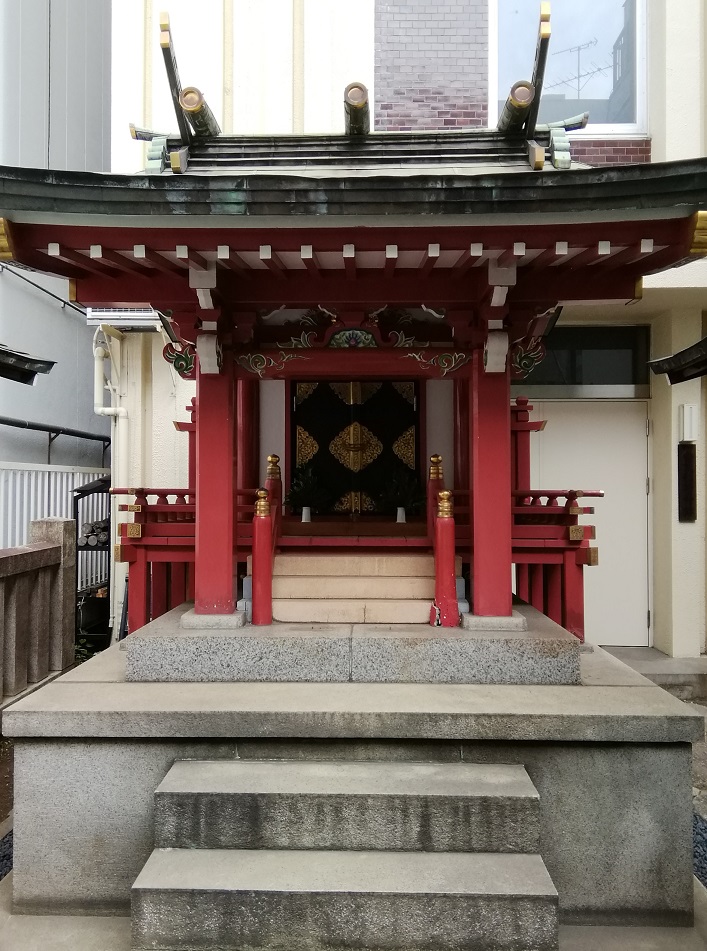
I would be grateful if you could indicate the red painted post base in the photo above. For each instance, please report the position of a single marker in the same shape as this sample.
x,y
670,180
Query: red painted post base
x,y
262,569
445,611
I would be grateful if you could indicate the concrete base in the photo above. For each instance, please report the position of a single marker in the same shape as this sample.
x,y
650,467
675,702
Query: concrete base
x,y
526,648
87,933
683,677
610,760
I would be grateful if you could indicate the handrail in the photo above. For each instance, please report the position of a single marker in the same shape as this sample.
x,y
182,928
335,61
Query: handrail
x,y
445,610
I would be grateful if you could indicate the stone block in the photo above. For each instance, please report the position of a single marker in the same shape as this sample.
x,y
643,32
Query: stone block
x,y
339,805
475,622
233,899
238,654
211,622
615,826
399,654
356,587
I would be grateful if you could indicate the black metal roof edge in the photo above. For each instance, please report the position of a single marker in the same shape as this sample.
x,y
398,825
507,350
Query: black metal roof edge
x,y
614,188
682,360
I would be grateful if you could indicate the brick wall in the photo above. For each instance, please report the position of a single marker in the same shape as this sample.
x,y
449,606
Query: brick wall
x,y
611,151
431,64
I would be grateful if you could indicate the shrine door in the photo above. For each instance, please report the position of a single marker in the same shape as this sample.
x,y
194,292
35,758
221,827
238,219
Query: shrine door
x,y
357,439
604,445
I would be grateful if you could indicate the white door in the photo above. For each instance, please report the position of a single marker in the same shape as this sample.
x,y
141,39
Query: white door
x,y
604,445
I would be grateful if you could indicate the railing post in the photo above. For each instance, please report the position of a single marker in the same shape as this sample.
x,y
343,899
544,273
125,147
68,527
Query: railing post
x,y
262,560
435,483
445,612
60,532
273,484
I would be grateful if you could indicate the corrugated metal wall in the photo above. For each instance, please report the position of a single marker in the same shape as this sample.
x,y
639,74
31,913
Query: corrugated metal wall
x,y
31,492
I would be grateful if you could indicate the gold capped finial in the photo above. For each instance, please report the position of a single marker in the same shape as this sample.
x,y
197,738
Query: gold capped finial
x,y
274,467
435,466
262,504
445,505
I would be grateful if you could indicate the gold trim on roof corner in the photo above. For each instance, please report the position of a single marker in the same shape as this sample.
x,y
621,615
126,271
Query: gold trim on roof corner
x,y
5,241
699,235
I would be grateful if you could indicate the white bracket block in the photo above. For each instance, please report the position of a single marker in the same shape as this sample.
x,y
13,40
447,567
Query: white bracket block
x,y
496,352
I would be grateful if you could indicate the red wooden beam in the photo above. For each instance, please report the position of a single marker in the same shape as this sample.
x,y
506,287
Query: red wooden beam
x,y
184,253
349,254
272,262
391,259
112,259
227,258
142,253
55,250
429,259
310,260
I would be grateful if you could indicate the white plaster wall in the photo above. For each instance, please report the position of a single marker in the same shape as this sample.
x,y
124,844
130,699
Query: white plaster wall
x,y
54,112
679,548
272,422
35,323
676,78
439,422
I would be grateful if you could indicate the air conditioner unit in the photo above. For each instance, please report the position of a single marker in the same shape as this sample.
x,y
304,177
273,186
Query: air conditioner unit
x,y
136,319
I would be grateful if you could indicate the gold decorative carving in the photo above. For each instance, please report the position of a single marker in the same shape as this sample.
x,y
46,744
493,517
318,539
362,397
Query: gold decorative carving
x,y
304,391
307,447
576,533
699,235
404,447
436,466
445,505
262,503
354,394
355,447
133,530
5,241
407,391
353,503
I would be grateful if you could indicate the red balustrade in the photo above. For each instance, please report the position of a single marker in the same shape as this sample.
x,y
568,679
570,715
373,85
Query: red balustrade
x,y
445,610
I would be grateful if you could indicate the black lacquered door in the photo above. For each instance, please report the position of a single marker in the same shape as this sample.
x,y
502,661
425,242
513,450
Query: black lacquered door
x,y
357,438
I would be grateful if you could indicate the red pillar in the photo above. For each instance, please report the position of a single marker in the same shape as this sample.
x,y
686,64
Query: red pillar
x,y
247,426
213,583
490,463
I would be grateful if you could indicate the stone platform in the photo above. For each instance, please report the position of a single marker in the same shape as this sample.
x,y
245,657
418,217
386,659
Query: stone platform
x,y
609,757
526,648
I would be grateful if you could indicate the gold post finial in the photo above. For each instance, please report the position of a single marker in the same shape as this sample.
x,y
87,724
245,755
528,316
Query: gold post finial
x,y
274,467
445,505
435,466
262,504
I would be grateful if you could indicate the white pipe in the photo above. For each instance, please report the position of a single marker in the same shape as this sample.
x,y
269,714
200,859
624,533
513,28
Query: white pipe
x,y
119,459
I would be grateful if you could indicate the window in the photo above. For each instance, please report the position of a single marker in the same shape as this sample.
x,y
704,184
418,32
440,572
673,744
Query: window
x,y
583,362
595,63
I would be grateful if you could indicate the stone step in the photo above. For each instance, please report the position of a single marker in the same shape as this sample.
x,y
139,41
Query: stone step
x,y
311,901
351,611
338,586
447,807
419,564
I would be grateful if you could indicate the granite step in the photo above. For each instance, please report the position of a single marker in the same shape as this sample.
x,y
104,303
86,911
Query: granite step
x,y
316,900
351,564
338,586
352,611
449,807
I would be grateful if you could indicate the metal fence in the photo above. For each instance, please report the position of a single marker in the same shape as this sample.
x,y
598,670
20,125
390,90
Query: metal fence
x,y
29,492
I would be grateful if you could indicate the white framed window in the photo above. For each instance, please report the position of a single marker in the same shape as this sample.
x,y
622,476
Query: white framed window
x,y
596,62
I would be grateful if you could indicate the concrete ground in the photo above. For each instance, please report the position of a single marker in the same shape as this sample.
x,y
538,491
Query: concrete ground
x,y
62,933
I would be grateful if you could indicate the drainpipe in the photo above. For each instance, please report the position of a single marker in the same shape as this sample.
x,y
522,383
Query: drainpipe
x,y
119,417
